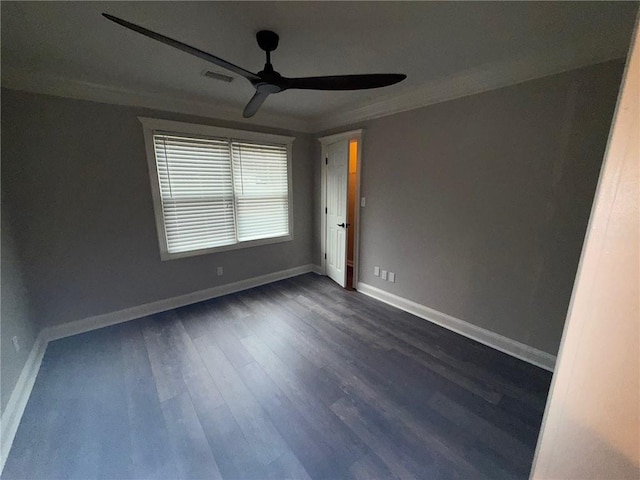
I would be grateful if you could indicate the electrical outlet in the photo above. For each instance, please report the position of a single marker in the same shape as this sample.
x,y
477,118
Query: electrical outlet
x,y
376,271
384,274
219,271
392,277
16,343
363,202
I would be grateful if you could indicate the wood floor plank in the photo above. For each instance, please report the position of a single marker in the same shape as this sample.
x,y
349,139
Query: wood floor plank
x,y
455,348
151,454
195,374
347,446
304,347
191,450
319,459
399,464
370,466
450,378
107,405
221,330
69,428
353,384
298,379
196,318
498,440
254,422
286,467
36,445
234,455
165,368
427,357
355,325
428,350
299,371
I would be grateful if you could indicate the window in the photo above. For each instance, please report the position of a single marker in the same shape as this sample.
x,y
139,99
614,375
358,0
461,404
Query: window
x,y
217,189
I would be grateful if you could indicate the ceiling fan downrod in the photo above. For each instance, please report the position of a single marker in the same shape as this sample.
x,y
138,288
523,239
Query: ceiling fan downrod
x,y
267,41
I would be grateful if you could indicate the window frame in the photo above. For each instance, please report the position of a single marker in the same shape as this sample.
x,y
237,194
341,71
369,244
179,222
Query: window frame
x,y
152,125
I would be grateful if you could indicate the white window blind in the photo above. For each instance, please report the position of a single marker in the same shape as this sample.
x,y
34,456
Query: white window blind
x,y
217,192
261,190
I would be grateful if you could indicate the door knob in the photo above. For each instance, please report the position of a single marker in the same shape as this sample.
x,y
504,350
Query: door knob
x,y
341,225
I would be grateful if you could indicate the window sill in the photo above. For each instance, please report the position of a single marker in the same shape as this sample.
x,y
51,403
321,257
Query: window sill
x,y
164,255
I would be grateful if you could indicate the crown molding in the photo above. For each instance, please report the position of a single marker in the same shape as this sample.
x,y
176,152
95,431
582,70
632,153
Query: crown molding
x,y
17,79
470,82
340,136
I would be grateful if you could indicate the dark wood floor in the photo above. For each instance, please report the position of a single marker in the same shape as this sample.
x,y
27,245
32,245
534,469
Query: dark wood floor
x,y
298,379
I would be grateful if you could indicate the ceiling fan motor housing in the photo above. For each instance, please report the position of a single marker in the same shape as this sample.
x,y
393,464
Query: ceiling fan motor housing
x,y
267,87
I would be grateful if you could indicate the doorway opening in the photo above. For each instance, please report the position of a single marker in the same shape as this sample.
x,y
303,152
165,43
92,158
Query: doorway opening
x,y
341,163
351,210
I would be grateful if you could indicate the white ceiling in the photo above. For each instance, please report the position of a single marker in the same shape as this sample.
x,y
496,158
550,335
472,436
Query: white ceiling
x,y
69,48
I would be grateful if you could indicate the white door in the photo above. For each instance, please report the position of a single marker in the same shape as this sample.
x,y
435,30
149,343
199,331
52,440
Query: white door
x,y
336,242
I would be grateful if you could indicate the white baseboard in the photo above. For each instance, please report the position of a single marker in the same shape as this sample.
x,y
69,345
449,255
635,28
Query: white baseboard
x,y
317,269
19,397
120,316
512,347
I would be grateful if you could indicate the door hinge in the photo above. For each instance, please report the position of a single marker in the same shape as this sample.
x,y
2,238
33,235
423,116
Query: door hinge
x,y
326,160
325,256
325,210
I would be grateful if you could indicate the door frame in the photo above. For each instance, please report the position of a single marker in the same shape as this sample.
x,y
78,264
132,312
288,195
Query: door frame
x,y
324,142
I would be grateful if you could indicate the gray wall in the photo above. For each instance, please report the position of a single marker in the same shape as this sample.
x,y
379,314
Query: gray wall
x,y
480,204
14,313
75,178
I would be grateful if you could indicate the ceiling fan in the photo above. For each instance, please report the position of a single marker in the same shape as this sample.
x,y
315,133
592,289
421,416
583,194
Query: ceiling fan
x,y
268,81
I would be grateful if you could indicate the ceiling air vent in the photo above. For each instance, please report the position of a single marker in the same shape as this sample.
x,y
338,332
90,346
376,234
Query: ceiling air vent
x,y
217,76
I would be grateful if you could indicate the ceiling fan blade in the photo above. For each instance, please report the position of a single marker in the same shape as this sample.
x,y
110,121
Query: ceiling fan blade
x,y
184,47
254,104
344,82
